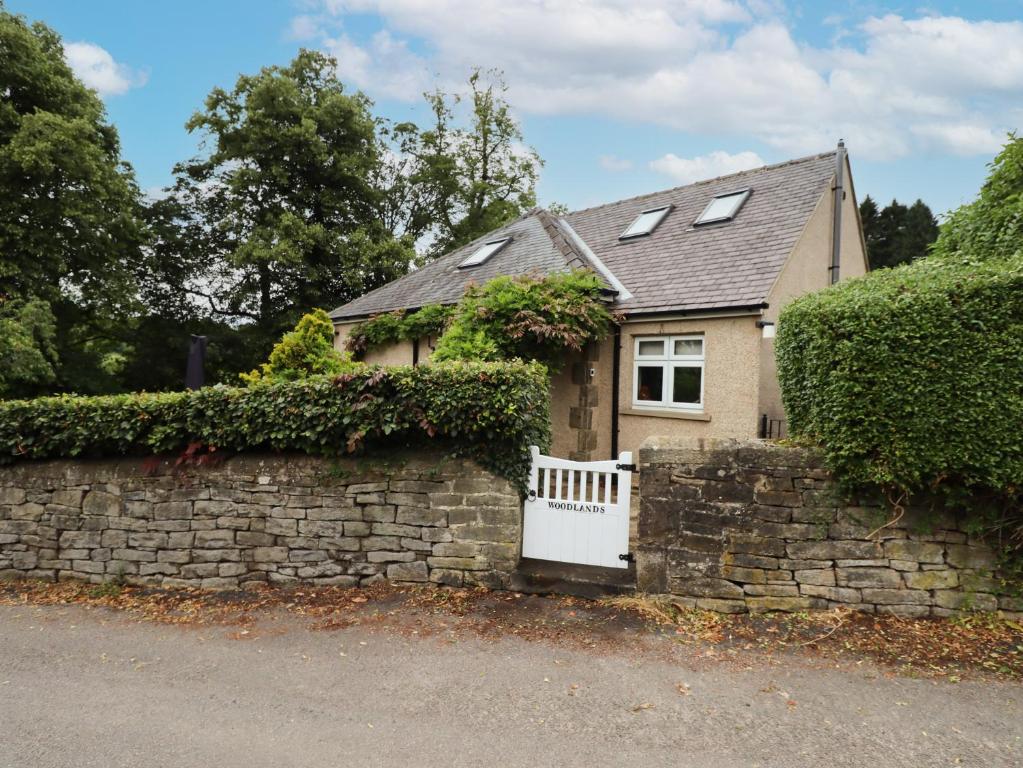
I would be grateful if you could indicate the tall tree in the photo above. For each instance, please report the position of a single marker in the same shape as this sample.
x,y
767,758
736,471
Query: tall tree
x,y
69,226
992,225
461,177
897,234
283,206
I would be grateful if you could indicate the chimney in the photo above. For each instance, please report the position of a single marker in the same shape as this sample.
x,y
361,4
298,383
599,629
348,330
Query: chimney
x,y
836,234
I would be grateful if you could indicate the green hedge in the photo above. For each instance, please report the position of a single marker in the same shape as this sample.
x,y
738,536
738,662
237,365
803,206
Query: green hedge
x,y
912,378
491,412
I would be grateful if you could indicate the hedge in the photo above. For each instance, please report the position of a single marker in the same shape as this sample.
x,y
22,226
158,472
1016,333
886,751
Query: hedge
x,y
912,378
491,412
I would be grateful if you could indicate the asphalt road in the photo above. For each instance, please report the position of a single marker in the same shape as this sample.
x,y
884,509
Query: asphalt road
x,y
92,688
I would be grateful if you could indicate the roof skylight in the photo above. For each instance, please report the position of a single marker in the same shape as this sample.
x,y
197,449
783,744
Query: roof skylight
x,y
723,207
484,252
646,222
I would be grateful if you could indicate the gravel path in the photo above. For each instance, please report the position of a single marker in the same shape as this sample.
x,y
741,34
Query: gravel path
x,y
92,688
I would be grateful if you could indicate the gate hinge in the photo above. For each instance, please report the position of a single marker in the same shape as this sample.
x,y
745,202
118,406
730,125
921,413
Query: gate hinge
x,y
627,467
627,557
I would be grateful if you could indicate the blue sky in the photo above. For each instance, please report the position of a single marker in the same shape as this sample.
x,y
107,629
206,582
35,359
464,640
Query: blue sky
x,y
619,98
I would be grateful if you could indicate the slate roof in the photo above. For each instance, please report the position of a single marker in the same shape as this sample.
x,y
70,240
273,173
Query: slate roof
x,y
678,267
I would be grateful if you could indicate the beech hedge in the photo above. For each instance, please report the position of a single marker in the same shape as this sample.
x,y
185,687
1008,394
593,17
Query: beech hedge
x,y
491,412
912,378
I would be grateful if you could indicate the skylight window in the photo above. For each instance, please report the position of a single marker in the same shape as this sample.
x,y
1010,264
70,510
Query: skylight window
x,y
723,207
484,252
646,222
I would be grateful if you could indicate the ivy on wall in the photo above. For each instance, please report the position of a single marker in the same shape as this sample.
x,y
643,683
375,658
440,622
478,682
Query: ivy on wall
x,y
525,317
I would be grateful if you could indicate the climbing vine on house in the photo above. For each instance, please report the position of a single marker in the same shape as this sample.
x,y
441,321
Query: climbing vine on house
x,y
526,317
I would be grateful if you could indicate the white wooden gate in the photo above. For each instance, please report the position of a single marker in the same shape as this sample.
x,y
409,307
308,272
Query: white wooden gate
x,y
578,511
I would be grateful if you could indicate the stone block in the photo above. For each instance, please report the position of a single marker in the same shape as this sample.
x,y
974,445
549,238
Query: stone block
x,y
373,543
269,554
447,577
778,498
147,540
436,535
28,511
872,578
215,539
771,590
89,539
393,529
179,556
416,545
219,584
788,604
432,516
183,540
279,527
721,606
457,549
822,577
746,575
481,532
460,563
377,497
831,550
705,587
379,513
134,555
415,571
755,545
172,510
254,539
101,503
967,556
334,512
896,597
834,594
417,486
408,499
64,497
11,496
391,557
903,565
358,528
356,488
916,551
931,579
321,528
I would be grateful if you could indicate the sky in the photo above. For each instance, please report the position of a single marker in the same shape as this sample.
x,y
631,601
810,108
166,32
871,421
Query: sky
x,y
619,97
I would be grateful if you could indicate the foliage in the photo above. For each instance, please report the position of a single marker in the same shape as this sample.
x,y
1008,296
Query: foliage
x,y
27,332
490,412
897,234
530,318
452,182
69,225
392,327
285,196
306,351
991,227
912,380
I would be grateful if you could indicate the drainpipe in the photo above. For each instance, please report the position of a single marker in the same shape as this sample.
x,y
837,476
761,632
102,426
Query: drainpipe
x,y
616,368
836,235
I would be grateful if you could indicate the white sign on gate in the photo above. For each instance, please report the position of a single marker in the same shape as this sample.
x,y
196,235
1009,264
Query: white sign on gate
x,y
578,511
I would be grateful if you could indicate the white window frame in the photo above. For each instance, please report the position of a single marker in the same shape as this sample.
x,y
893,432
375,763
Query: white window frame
x,y
669,361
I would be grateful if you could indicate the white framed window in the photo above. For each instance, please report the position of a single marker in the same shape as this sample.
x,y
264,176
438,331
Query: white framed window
x,y
723,207
667,372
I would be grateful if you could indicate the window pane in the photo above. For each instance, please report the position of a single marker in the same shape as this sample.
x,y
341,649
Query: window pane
x,y
645,222
686,387
651,383
689,347
723,207
651,347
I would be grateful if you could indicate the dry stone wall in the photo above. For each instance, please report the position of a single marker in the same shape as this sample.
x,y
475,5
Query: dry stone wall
x,y
750,526
265,518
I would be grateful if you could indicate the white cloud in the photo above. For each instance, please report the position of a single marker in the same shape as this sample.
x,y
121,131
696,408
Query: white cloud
x,y
889,85
686,170
98,70
304,27
615,164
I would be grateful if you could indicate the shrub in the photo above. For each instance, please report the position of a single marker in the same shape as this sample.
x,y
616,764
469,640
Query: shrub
x,y
911,379
523,317
392,327
306,351
490,412
530,318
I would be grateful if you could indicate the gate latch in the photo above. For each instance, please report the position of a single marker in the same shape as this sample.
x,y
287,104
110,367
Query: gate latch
x,y
627,467
627,557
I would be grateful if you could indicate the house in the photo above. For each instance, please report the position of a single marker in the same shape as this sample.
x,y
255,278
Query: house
x,y
700,272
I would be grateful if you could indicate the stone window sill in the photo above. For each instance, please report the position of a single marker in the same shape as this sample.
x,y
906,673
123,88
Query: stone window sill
x,y
663,413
